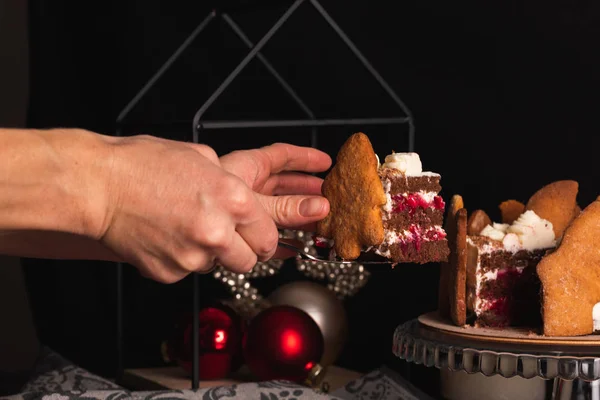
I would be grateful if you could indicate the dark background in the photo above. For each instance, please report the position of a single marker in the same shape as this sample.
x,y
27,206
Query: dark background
x,y
505,99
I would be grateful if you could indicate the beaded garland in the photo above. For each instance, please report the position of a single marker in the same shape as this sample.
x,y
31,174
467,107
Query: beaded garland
x,y
344,280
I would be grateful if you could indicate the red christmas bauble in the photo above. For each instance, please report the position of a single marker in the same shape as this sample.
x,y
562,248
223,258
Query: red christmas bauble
x,y
283,342
220,339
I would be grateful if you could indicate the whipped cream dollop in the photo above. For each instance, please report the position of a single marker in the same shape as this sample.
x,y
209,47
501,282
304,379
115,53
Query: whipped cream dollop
x,y
495,231
534,232
528,232
596,317
407,163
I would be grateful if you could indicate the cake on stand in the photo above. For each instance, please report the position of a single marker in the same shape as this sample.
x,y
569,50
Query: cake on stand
x,y
571,363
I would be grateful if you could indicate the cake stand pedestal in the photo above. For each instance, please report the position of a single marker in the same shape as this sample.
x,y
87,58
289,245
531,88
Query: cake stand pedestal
x,y
572,363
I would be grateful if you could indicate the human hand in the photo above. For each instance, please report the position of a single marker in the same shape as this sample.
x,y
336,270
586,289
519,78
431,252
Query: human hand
x,y
275,173
292,198
173,209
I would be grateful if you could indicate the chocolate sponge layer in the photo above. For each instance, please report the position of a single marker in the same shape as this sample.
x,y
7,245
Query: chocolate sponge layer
x,y
424,217
402,184
433,251
502,259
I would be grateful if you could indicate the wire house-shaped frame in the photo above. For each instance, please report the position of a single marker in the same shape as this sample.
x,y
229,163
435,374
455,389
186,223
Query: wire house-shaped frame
x,y
198,125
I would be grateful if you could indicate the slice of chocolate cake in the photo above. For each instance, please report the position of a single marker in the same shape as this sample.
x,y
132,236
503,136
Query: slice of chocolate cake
x,y
392,210
414,212
503,288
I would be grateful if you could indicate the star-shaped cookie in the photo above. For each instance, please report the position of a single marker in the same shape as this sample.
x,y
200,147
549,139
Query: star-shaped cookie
x,y
570,277
557,203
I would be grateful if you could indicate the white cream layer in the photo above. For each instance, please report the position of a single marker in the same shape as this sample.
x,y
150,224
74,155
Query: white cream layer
x,y
405,236
392,237
596,317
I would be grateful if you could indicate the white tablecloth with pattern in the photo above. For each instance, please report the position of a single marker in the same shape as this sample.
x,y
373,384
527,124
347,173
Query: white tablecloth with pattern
x,y
55,378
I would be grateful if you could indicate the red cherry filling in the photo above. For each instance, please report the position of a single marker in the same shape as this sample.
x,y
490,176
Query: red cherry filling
x,y
435,235
499,312
417,237
504,296
321,241
411,201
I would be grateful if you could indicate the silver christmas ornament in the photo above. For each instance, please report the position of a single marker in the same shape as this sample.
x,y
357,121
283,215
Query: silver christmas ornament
x,y
343,280
324,307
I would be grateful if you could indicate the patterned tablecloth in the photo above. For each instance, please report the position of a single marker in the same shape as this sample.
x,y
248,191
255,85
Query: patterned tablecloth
x,y
57,379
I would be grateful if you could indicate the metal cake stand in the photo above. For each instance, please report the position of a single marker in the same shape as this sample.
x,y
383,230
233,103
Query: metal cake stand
x,y
573,363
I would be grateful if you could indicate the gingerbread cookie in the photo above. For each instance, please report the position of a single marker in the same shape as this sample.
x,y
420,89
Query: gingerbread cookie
x,y
511,210
556,202
477,221
355,195
570,277
458,272
453,274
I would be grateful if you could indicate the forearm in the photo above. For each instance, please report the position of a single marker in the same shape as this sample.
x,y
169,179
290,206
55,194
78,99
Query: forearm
x,y
52,181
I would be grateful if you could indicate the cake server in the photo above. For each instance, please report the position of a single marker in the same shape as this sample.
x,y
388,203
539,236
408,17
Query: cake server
x,y
311,257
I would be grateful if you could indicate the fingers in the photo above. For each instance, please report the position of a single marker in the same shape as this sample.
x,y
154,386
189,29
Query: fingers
x,y
260,234
294,211
287,157
258,164
250,219
292,183
161,270
238,256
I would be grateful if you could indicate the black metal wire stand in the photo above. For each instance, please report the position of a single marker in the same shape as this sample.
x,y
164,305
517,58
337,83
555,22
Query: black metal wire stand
x,y
199,125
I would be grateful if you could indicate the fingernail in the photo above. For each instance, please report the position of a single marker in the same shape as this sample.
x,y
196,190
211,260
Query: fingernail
x,y
311,207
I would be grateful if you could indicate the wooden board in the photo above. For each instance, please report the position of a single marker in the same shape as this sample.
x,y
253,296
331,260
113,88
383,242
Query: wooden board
x,y
434,320
434,323
176,378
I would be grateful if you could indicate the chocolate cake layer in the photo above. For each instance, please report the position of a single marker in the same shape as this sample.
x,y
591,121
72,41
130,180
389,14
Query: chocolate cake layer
x,y
504,284
513,312
498,258
429,251
421,216
407,184
504,259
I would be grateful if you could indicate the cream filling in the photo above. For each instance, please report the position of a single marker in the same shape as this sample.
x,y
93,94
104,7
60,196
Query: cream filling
x,y
388,207
389,204
393,237
596,317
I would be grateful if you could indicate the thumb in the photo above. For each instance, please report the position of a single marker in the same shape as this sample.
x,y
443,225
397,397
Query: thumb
x,y
294,211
